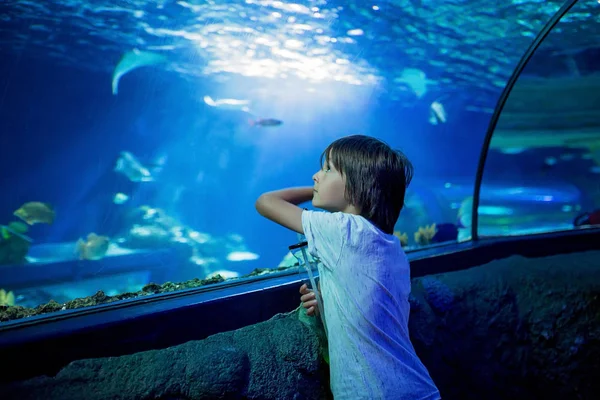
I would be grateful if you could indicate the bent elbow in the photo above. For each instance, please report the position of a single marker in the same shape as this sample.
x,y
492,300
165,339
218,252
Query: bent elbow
x,y
260,204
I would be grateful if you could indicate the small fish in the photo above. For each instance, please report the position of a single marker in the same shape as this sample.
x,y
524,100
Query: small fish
x,y
512,150
266,122
550,161
228,104
437,113
94,248
36,212
128,165
120,198
415,79
242,256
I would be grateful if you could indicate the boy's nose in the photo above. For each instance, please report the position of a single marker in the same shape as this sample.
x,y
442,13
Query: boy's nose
x,y
315,177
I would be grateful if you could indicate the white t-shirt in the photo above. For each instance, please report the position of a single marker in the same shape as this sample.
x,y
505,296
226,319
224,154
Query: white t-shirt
x,y
365,283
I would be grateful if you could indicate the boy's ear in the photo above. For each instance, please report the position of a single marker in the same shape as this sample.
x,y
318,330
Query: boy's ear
x,y
280,211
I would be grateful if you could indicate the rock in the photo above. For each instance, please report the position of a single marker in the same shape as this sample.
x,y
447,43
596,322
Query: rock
x,y
515,328
275,359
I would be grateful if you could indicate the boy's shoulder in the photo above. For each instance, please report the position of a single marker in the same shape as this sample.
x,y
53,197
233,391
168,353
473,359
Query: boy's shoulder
x,y
342,223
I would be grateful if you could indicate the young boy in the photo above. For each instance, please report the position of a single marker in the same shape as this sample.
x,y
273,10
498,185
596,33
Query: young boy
x,y
364,273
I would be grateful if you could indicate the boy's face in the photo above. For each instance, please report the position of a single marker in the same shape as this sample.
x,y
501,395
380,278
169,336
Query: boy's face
x,y
329,189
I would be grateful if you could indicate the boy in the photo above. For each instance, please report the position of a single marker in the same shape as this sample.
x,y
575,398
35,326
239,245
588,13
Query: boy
x,y
364,273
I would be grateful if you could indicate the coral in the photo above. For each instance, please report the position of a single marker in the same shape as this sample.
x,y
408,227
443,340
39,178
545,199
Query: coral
x,y
424,235
7,298
403,236
17,312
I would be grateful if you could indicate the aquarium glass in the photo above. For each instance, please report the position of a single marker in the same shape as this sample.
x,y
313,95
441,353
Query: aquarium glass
x,y
137,135
543,164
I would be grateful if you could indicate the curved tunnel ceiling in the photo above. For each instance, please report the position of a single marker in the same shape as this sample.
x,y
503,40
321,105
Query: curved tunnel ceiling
x,y
563,34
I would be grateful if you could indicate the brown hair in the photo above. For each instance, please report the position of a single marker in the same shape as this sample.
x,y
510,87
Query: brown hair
x,y
376,177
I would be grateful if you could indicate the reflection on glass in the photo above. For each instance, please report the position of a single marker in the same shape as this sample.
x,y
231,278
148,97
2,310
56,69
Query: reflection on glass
x,y
544,155
136,136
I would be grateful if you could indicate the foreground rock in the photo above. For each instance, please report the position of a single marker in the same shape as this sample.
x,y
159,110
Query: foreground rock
x,y
275,359
515,328
512,329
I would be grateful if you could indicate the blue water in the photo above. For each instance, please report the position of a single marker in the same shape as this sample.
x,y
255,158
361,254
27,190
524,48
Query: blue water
x,y
325,68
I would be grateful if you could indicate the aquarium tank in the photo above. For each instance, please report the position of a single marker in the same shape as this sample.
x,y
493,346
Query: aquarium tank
x,y
137,135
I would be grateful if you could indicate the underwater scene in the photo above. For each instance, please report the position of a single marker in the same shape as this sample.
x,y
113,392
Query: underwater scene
x,y
137,135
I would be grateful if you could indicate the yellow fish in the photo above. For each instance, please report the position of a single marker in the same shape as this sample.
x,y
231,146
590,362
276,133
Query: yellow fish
x,y
36,212
94,248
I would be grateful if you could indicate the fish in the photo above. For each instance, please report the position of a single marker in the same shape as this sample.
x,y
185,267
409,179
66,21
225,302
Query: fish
x,y
228,104
132,60
266,122
35,212
120,198
415,79
94,248
128,165
242,256
437,113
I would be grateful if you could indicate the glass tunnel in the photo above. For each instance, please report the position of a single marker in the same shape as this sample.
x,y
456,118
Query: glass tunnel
x,y
137,136
152,179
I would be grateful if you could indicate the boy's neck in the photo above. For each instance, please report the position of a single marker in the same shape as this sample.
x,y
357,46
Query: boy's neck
x,y
350,209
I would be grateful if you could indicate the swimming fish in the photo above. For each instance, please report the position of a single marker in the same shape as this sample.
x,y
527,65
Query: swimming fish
x,y
36,212
132,60
120,198
242,256
415,79
437,113
228,104
94,248
266,122
128,165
